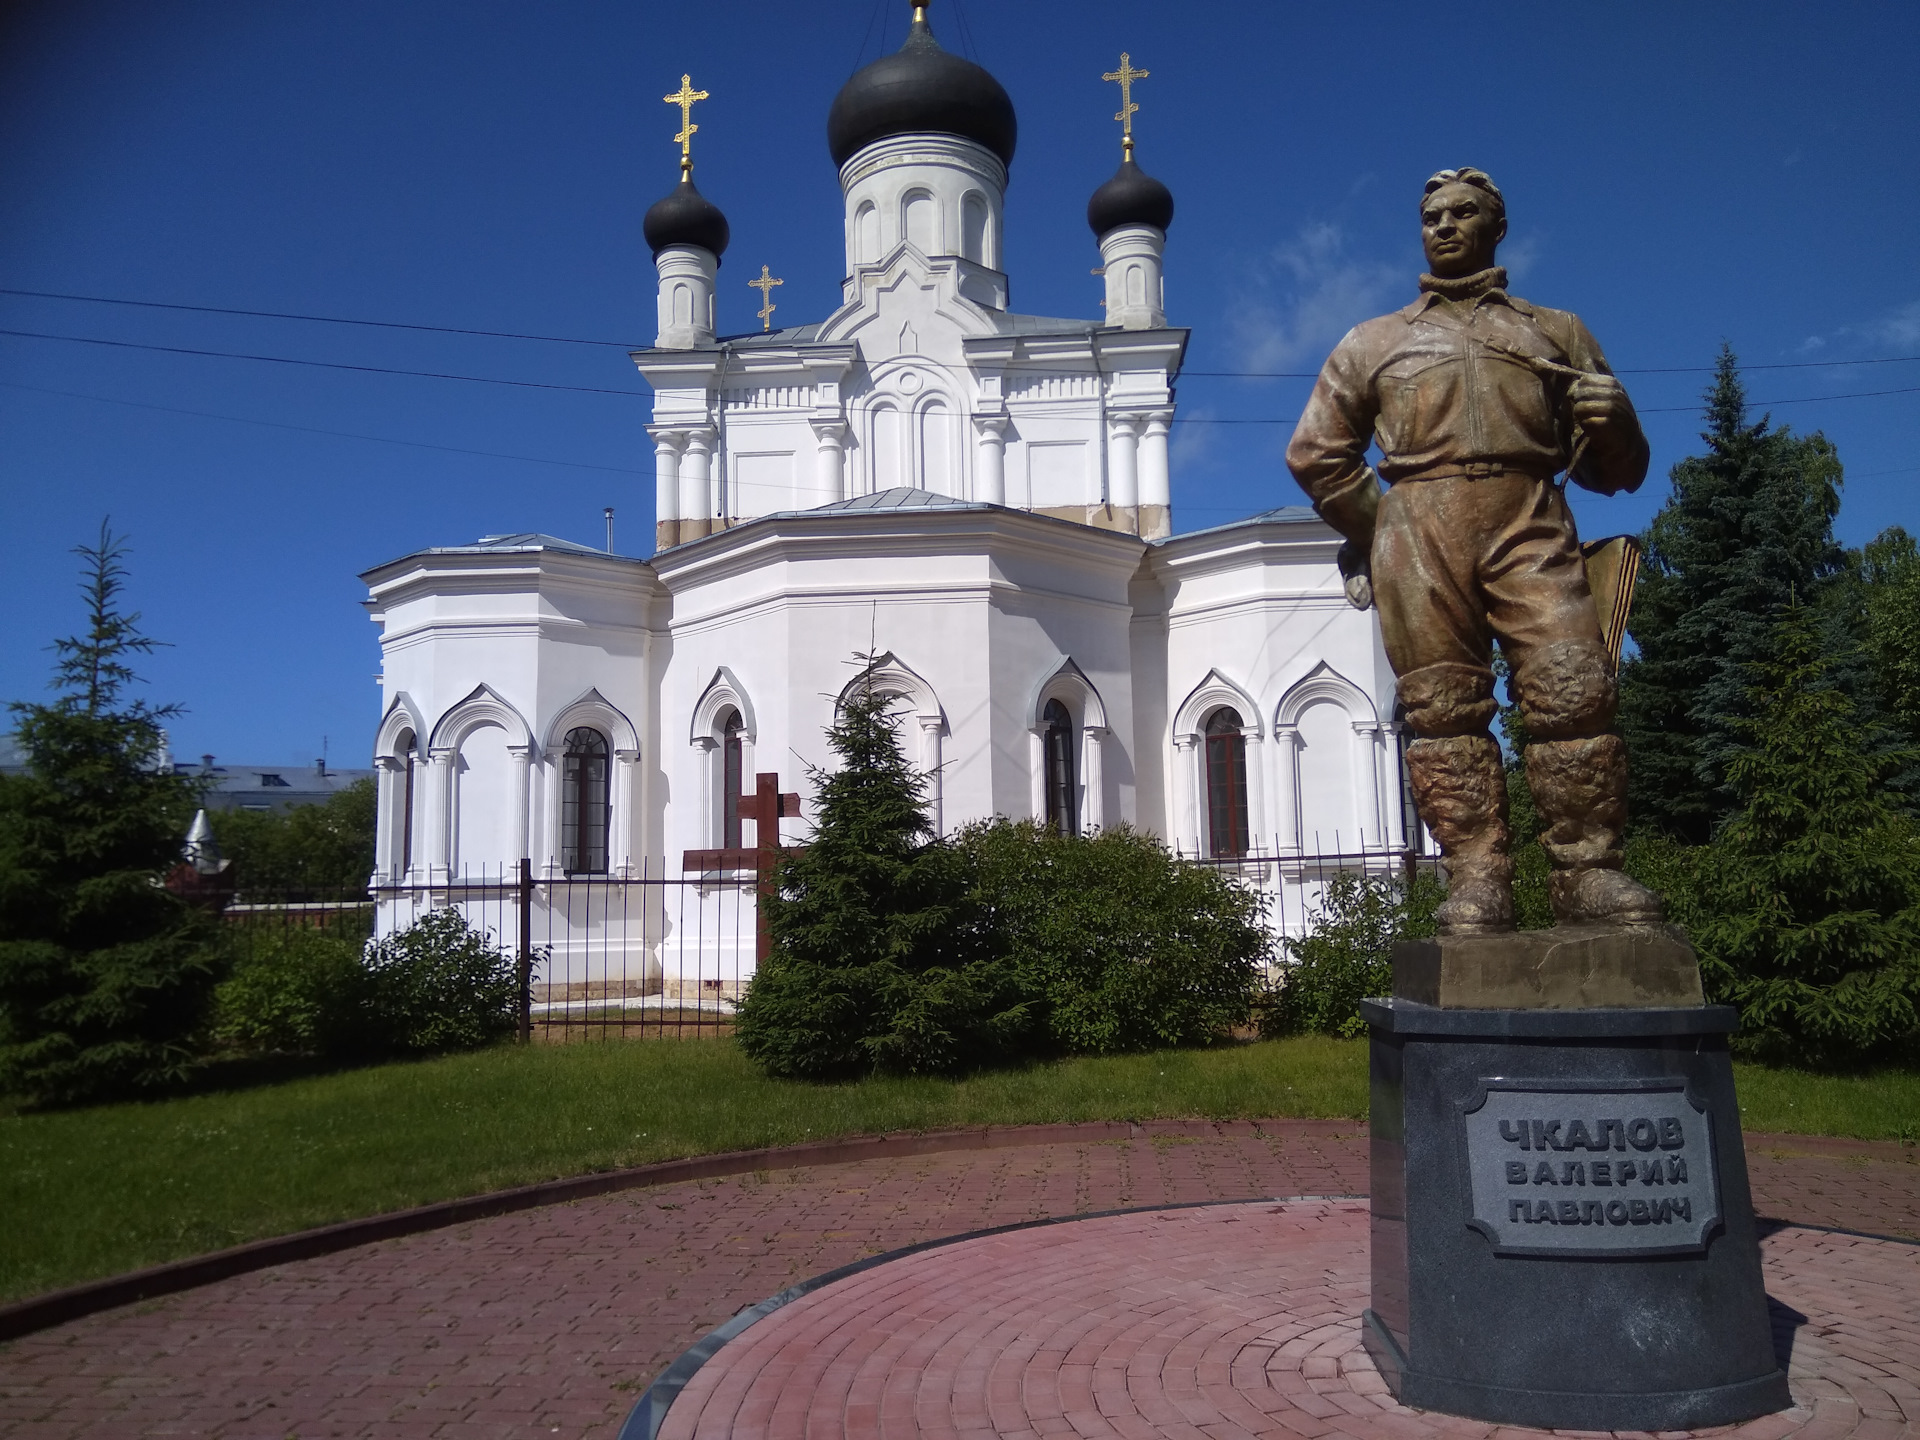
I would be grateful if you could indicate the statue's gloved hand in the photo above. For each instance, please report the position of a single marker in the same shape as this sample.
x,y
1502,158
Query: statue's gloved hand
x,y
1357,571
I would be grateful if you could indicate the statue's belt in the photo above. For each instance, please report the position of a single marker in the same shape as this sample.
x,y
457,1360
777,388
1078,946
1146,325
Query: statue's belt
x,y
1474,470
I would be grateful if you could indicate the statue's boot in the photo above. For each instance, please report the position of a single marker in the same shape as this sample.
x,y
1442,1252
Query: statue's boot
x,y
1580,788
1461,789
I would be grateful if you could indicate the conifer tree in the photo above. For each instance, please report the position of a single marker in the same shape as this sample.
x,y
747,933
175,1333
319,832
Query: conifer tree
x,y
104,976
870,929
1889,609
1748,529
1808,911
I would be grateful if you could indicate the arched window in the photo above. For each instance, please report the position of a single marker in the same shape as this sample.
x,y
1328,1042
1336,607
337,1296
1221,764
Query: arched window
x,y
404,747
866,233
973,227
584,808
1226,783
1063,814
919,222
731,778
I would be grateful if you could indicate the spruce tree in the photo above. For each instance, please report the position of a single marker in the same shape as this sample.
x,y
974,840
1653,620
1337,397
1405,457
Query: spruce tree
x,y
870,931
1748,529
1889,612
104,976
1808,908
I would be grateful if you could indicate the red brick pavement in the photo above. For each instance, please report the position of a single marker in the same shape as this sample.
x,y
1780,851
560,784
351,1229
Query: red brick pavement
x,y
1241,1323
552,1321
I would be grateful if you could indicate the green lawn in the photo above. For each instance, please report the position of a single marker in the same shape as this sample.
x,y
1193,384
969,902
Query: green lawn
x,y
95,1192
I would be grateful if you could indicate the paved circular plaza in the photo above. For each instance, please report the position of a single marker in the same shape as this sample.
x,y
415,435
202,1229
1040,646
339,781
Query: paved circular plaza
x,y
555,1321
1224,1320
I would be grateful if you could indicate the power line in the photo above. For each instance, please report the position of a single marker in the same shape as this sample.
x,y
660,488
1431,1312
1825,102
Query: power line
x,y
319,319
629,345
317,430
321,364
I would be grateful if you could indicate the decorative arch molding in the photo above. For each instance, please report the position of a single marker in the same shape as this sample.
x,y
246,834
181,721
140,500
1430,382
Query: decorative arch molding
x,y
724,691
892,677
596,710
1323,682
1070,686
482,707
402,715
1209,695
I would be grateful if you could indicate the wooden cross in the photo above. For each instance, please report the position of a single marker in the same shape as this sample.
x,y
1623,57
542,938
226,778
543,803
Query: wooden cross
x,y
1125,76
765,285
766,807
684,98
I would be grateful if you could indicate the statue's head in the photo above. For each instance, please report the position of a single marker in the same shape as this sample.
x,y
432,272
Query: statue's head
x,y
1463,219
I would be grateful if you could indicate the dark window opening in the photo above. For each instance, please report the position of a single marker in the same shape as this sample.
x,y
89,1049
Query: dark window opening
x,y
732,728
273,780
1063,815
585,793
1226,784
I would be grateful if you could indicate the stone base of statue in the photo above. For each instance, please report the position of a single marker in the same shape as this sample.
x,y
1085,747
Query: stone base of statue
x,y
1563,1236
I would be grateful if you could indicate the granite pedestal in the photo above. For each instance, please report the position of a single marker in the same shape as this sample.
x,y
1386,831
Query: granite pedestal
x,y
1562,1231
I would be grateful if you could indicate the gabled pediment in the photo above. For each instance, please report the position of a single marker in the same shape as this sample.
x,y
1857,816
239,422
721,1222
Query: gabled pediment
x,y
908,298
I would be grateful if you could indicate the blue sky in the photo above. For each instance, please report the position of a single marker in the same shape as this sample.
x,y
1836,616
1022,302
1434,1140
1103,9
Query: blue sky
x,y
1679,174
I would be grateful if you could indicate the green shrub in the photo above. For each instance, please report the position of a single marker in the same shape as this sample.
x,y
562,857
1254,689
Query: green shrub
x,y
897,952
433,987
296,991
439,986
1347,953
1111,942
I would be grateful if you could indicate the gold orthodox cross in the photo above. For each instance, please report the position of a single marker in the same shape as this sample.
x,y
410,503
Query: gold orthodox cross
x,y
765,285
684,98
1124,77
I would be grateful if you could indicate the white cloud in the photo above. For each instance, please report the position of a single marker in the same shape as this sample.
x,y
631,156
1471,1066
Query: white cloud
x,y
1520,254
1303,295
1899,326
1191,445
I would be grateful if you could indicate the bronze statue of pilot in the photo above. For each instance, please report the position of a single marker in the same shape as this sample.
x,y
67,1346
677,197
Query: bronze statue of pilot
x,y
1478,401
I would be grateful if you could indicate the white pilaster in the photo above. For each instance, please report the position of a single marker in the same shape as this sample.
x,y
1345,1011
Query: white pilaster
x,y
1093,811
830,459
1256,792
440,812
1367,733
1123,474
1037,771
386,835
1186,796
620,824
521,757
991,458
930,763
1156,492
713,820
1286,777
696,489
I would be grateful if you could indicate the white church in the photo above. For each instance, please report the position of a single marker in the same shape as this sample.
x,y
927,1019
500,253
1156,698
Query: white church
x,y
980,496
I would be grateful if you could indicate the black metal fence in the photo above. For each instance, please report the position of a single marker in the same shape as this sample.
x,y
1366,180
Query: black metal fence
x,y
642,955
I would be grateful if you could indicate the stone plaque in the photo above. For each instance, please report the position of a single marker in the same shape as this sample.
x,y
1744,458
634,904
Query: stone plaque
x,y
1563,1170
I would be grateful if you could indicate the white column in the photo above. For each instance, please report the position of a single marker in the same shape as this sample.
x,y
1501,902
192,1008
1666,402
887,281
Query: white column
x,y
1286,787
1186,799
522,758
1093,776
1156,487
830,459
666,487
1123,475
620,823
696,493
1256,792
991,459
1367,732
1037,769
386,835
1391,797
440,812
930,762
712,826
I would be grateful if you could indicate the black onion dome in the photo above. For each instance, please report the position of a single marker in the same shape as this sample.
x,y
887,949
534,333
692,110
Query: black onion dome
x,y
921,88
686,217
1131,197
